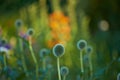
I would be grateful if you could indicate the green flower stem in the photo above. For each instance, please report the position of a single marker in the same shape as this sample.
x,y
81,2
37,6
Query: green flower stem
x,y
49,75
58,67
22,56
34,59
81,62
44,65
64,77
37,76
90,63
5,62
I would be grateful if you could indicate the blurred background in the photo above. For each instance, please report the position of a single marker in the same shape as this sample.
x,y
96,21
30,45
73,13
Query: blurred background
x,y
66,22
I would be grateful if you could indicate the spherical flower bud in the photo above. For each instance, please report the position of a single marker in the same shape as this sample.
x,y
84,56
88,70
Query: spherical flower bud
x,y
58,50
43,52
81,44
89,49
18,23
3,42
64,71
30,32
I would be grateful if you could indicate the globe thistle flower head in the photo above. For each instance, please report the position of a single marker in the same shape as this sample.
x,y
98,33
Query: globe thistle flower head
x,y
64,71
58,50
89,49
30,32
3,42
18,23
81,44
43,52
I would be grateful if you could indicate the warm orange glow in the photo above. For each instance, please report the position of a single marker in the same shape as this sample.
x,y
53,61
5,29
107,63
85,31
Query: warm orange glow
x,y
60,28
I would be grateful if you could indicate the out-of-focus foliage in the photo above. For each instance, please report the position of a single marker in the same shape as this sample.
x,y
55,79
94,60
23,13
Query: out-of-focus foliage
x,y
65,22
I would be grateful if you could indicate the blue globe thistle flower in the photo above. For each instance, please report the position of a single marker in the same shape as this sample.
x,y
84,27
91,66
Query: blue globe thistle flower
x,y
3,42
81,44
43,52
89,49
30,32
18,23
64,71
58,50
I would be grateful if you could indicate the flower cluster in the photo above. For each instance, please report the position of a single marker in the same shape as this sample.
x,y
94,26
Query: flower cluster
x,y
60,28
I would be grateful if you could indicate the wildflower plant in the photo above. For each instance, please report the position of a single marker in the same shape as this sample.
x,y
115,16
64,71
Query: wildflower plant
x,y
81,45
18,25
58,51
30,33
89,50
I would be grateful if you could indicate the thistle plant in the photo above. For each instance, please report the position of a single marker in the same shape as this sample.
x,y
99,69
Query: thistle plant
x,y
22,56
30,33
64,72
43,53
81,45
18,25
89,50
58,51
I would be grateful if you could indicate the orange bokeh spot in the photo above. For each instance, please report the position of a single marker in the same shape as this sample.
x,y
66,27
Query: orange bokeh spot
x,y
60,28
